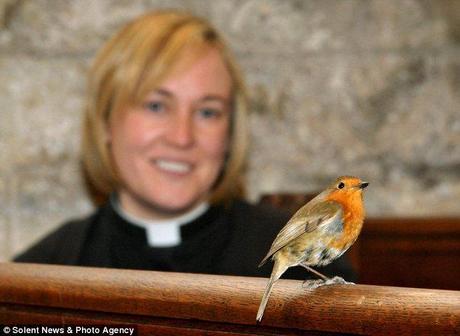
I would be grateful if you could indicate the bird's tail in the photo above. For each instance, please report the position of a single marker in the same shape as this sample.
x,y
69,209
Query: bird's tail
x,y
276,273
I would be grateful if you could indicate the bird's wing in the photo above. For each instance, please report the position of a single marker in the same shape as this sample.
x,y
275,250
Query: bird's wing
x,y
307,219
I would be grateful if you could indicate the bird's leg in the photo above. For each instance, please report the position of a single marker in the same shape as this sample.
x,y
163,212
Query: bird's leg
x,y
312,284
322,276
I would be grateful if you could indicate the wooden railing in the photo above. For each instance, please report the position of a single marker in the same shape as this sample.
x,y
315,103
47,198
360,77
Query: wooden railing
x,y
159,303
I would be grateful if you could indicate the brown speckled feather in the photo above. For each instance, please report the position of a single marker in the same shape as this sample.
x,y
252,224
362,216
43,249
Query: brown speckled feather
x,y
307,219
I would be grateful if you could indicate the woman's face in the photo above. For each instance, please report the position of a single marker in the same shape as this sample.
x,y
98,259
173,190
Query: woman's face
x,y
170,151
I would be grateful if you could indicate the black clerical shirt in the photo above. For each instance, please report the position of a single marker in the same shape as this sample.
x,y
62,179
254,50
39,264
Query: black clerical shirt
x,y
227,240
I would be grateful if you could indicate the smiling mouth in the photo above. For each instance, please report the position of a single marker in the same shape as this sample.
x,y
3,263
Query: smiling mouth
x,y
175,167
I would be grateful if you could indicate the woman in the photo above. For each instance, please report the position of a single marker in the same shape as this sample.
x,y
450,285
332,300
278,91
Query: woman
x,y
163,150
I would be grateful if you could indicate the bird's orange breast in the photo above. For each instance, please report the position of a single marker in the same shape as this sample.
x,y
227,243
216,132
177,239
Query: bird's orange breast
x,y
353,218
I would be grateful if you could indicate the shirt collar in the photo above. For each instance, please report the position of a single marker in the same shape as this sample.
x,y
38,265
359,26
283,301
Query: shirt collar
x,y
161,233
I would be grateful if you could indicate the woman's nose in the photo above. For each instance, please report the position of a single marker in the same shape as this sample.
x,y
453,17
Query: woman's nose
x,y
180,131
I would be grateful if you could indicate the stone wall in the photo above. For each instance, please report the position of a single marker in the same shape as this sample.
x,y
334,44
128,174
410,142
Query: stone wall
x,y
370,88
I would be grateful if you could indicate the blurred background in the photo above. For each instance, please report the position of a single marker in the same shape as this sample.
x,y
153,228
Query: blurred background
x,y
368,88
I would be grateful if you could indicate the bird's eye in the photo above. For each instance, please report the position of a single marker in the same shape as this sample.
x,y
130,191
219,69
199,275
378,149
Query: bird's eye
x,y
341,185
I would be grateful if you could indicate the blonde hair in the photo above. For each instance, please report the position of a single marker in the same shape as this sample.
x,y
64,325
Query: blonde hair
x,y
130,65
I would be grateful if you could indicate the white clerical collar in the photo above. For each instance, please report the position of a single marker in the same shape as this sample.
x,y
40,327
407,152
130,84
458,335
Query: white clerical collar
x,y
161,233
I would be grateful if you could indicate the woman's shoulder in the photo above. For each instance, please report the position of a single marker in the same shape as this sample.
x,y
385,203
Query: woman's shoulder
x,y
257,213
62,245
253,228
257,223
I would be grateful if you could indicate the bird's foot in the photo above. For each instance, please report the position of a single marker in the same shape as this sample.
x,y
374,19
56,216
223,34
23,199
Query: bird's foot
x,y
313,284
338,281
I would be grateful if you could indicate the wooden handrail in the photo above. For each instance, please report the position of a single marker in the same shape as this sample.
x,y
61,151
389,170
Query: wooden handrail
x,y
179,303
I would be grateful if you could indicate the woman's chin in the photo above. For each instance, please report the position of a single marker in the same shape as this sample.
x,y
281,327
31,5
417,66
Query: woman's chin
x,y
173,208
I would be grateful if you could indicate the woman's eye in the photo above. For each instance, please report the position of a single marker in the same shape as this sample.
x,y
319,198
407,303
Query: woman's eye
x,y
209,113
154,106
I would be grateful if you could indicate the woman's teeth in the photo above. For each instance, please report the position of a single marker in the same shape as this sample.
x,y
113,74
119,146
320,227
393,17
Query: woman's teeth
x,y
173,166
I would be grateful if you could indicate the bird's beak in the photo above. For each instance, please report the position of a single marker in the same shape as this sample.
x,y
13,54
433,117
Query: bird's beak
x,y
363,185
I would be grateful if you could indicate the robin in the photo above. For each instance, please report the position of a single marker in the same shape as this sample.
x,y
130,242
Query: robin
x,y
319,232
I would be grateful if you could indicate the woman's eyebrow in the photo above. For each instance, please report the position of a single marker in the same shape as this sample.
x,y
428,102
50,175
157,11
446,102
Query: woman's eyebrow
x,y
163,92
215,97
207,98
